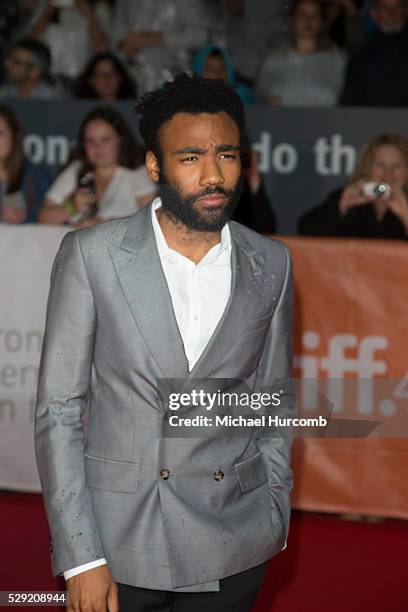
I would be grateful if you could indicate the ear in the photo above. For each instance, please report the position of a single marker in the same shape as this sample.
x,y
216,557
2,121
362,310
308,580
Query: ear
x,y
152,166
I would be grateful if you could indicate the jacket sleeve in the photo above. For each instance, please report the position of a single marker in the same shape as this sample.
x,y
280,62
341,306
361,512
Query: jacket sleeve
x,y
64,377
275,374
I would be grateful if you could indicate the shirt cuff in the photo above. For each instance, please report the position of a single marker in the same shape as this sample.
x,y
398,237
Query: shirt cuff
x,y
83,568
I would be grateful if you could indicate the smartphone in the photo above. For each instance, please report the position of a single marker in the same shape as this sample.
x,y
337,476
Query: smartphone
x,y
87,182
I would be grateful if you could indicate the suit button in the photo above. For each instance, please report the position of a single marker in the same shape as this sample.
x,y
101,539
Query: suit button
x,y
218,475
164,474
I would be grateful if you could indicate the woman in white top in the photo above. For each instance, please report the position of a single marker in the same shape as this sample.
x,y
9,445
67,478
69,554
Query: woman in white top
x,y
310,71
106,178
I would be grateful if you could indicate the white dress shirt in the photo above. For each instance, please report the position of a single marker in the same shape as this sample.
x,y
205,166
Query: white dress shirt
x,y
199,294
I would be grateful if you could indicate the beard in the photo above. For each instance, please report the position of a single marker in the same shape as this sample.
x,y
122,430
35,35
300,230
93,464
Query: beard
x,y
182,209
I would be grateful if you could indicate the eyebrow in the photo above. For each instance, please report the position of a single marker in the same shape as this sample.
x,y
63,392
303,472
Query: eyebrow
x,y
199,151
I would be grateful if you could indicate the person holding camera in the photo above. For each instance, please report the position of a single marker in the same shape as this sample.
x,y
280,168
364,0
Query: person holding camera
x,y
106,178
375,203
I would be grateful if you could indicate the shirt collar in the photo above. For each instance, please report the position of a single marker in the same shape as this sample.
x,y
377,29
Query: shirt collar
x,y
166,251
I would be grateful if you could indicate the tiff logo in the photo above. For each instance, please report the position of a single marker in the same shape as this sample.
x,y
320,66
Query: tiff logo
x,y
346,355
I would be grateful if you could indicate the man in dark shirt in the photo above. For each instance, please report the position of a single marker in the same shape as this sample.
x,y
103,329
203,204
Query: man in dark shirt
x,y
377,75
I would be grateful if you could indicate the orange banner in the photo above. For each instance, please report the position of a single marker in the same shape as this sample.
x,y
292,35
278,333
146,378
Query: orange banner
x,y
351,323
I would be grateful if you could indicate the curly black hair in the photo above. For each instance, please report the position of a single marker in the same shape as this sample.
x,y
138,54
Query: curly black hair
x,y
186,94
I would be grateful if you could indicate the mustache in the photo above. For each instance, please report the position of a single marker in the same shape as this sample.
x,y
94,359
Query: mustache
x,y
209,192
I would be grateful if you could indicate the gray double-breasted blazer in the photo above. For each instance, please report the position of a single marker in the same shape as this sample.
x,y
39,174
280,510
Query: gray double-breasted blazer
x,y
111,334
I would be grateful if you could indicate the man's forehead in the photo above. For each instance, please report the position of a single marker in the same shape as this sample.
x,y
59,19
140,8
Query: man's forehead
x,y
200,127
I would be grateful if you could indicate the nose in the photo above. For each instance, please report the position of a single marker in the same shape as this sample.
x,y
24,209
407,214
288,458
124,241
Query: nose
x,y
211,172
94,148
387,174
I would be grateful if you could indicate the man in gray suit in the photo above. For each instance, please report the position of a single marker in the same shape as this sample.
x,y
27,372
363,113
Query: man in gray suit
x,y
174,293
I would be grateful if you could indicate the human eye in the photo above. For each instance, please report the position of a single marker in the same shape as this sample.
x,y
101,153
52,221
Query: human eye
x,y
228,156
190,158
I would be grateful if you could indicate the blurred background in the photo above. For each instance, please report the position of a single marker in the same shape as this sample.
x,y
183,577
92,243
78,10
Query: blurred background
x,y
325,161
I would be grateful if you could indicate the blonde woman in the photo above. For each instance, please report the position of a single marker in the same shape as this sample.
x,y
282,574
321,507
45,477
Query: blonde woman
x,y
375,202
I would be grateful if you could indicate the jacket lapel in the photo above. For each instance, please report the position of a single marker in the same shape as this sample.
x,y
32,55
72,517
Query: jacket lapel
x,y
141,277
247,284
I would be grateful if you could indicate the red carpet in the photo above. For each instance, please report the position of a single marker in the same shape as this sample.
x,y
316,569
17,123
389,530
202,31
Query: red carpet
x,y
329,565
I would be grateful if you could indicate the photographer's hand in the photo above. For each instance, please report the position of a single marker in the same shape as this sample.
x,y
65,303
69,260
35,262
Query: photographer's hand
x,y
352,196
83,199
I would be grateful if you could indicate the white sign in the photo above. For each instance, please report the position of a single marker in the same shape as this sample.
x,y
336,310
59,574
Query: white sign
x,y
26,256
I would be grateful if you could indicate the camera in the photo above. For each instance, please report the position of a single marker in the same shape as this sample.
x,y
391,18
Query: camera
x,y
87,182
376,190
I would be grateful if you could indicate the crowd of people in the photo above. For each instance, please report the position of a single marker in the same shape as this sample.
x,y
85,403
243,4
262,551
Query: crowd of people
x,y
306,53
